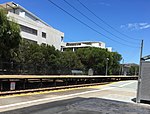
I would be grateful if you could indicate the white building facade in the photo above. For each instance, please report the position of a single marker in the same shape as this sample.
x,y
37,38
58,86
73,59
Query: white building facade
x,y
84,44
33,28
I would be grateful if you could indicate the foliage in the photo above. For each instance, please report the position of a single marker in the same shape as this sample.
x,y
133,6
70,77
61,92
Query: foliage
x,y
69,61
38,59
45,59
133,70
29,58
115,63
97,59
9,39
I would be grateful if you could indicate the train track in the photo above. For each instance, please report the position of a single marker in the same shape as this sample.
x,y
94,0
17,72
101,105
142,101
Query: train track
x,y
49,88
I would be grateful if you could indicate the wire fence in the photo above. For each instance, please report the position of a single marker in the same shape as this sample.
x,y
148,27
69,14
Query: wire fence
x,y
10,68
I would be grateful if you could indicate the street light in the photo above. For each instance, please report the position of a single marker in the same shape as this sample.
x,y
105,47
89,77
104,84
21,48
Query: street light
x,y
122,69
106,66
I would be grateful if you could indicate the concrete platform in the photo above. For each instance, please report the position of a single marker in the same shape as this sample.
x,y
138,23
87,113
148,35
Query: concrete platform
x,y
115,98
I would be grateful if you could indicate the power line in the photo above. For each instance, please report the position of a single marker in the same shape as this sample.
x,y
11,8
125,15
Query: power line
x,y
96,23
89,26
106,22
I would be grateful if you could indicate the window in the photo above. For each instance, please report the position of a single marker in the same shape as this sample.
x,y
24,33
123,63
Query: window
x,y
43,34
28,30
62,38
87,43
73,44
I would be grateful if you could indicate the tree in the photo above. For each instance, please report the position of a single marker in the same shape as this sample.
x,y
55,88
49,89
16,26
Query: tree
x,y
51,56
116,58
9,39
96,58
69,61
133,70
93,58
38,59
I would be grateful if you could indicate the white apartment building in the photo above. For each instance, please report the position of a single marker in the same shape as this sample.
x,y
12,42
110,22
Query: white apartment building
x,y
84,44
32,27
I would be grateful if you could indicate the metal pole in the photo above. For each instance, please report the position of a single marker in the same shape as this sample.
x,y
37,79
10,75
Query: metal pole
x,y
106,66
122,71
135,71
106,69
139,77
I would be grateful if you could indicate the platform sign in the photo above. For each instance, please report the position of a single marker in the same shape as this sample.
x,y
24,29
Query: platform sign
x,y
144,92
90,72
12,85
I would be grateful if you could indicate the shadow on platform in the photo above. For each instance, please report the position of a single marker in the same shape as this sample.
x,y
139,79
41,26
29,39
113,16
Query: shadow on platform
x,y
83,106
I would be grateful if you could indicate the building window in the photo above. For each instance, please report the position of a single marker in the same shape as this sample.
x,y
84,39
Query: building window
x,y
28,30
73,44
87,43
62,38
43,34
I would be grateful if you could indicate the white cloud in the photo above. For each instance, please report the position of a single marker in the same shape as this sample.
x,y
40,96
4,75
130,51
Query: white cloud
x,y
146,26
142,24
136,26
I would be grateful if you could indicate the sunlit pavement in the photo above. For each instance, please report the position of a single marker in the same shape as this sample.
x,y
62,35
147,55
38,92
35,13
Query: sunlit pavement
x,y
114,98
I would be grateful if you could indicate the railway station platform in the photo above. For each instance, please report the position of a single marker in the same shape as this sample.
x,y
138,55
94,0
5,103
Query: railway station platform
x,y
23,82
114,98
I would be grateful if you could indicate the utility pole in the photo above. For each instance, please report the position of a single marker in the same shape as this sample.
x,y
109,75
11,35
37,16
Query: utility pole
x,y
139,77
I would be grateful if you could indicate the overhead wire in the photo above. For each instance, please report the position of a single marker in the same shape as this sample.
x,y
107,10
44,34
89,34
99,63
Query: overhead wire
x,y
97,24
107,23
88,25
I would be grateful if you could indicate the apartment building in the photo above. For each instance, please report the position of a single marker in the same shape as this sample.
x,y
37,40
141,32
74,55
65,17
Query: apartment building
x,y
75,45
33,28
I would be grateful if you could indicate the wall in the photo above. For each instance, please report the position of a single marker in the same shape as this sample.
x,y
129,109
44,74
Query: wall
x,y
53,36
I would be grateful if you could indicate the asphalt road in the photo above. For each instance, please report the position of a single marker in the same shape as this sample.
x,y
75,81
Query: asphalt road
x,y
115,98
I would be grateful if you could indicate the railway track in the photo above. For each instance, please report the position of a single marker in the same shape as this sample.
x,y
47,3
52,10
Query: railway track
x,y
49,88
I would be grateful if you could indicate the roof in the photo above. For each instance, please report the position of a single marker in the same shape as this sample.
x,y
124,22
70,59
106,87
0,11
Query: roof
x,y
146,57
86,42
13,5
78,46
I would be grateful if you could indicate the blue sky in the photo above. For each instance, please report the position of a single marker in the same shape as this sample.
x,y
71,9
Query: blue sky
x,y
130,17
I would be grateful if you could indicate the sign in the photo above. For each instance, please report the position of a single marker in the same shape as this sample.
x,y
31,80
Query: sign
x,y
12,85
90,72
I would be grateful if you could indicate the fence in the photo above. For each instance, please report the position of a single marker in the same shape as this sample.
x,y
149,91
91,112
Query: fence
x,y
35,69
